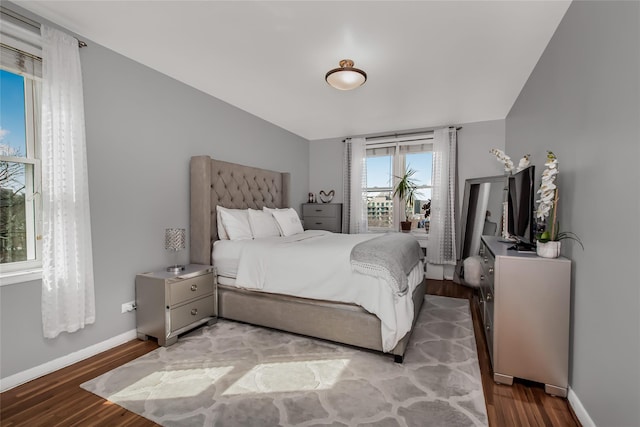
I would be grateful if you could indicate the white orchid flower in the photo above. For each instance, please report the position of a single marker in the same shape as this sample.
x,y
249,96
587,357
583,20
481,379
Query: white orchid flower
x,y
524,162
548,187
502,157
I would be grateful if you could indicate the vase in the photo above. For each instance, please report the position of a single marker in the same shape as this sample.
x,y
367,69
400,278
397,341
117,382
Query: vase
x,y
549,249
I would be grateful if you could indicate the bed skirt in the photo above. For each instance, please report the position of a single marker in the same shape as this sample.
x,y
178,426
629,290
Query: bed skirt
x,y
339,322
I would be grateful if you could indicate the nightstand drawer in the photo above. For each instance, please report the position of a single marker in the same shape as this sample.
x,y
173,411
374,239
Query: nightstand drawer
x,y
188,289
320,223
191,312
322,210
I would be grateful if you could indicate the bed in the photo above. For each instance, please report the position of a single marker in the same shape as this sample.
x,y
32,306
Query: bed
x,y
218,183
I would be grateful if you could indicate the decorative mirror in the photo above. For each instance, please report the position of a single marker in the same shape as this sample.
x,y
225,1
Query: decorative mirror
x,y
481,213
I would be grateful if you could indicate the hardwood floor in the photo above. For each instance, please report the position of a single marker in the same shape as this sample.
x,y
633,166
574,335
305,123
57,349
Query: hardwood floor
x,y
522,404
57,399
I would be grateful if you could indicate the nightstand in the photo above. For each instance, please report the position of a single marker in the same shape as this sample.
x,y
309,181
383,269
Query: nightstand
x,y
322,216
169,304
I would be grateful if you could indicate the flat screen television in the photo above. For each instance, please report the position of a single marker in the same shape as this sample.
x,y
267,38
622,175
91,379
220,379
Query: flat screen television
x,y
520,206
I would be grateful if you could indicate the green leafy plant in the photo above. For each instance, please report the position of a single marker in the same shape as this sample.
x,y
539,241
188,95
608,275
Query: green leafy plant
x,y
406,190
548,205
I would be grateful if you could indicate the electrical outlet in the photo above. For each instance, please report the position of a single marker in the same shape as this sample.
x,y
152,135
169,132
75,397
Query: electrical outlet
x,y
128,306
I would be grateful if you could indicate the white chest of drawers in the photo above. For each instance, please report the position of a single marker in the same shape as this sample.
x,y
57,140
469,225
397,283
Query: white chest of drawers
x,y
526,308
169,304
322,216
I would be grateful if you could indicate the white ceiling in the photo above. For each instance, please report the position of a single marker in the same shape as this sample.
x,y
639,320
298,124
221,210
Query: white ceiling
x,y
429,63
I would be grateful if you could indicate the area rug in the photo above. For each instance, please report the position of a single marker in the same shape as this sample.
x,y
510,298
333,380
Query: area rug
x,y
233,374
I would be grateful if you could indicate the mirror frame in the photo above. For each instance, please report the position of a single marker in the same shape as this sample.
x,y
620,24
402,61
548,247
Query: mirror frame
x,y
465,208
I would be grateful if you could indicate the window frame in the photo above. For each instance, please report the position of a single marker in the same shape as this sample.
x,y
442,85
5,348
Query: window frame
x,y
19,39
398,161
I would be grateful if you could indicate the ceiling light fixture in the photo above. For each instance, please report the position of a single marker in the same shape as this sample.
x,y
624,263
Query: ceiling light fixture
x,y
346,77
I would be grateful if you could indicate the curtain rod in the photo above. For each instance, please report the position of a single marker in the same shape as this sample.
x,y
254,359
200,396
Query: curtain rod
x,y
400,135
31,22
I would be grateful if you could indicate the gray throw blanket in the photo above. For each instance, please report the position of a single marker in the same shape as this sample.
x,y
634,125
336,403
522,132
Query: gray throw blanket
x,y
391,256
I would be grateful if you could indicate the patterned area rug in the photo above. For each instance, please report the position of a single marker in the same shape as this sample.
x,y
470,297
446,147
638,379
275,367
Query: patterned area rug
x,y
232,374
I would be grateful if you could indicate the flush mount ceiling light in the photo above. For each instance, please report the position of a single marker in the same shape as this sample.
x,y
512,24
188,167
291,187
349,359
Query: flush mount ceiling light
x,y
346,77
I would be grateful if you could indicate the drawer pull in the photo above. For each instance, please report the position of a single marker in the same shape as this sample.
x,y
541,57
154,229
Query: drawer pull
x,y
488,328
318,223
486,260
194,311
194,288
489,296
482,277
490,270
318,210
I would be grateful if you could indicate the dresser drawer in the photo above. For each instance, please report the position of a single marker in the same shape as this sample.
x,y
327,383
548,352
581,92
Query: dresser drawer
x,y
321,210
191,312
188,289
322,223
488,333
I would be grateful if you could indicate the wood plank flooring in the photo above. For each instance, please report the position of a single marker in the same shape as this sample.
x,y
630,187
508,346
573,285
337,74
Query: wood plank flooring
x,y
57,399
522,404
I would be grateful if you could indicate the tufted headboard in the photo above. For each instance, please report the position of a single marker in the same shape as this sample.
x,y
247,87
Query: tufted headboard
x,y
234,186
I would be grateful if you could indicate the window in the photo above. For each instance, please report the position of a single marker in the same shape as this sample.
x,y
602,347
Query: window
x,y
20,221
384,162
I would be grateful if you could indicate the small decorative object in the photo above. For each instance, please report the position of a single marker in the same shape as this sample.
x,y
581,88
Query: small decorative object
x,y
174,240
326,197
505,223
312,198
406,191
548,249
427,213
508,163
548,208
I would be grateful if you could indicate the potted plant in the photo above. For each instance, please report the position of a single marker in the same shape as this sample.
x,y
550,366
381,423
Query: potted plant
x,y
549,240
406,190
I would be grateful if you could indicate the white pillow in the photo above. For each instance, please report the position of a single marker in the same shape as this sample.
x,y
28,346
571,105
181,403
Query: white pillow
x,y
222,234
236,223
288,221
262,224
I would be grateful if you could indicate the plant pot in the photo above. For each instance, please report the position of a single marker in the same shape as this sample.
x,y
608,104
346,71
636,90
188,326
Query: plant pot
x,y
548,249
405,225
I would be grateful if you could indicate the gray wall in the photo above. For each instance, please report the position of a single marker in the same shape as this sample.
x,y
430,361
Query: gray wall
x,y
142,127
582,102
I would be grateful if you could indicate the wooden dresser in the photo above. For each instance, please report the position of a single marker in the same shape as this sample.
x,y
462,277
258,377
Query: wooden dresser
x,y
525,305
322,216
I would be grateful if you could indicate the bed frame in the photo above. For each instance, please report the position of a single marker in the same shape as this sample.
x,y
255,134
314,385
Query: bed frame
x,y
213,183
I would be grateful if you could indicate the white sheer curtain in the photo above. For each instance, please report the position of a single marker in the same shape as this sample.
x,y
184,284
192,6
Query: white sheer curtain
x,y
441,247
68,301
354,212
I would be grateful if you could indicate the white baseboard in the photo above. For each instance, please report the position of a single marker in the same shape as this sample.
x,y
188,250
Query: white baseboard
x,y
578,409
435,271
61,362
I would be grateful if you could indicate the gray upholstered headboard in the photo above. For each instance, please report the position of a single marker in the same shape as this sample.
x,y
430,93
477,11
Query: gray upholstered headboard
x,y
213,183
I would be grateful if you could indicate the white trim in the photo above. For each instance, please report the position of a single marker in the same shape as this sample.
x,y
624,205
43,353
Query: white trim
x,y
21,38
578,409
11,278
64,361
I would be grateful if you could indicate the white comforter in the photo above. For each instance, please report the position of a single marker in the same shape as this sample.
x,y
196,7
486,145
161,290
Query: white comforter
x,y
315,264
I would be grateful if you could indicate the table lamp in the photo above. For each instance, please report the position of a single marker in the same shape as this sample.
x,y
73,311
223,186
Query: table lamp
x,y
174,240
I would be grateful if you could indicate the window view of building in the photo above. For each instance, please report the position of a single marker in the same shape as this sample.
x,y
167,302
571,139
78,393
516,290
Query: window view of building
x,y
386,161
